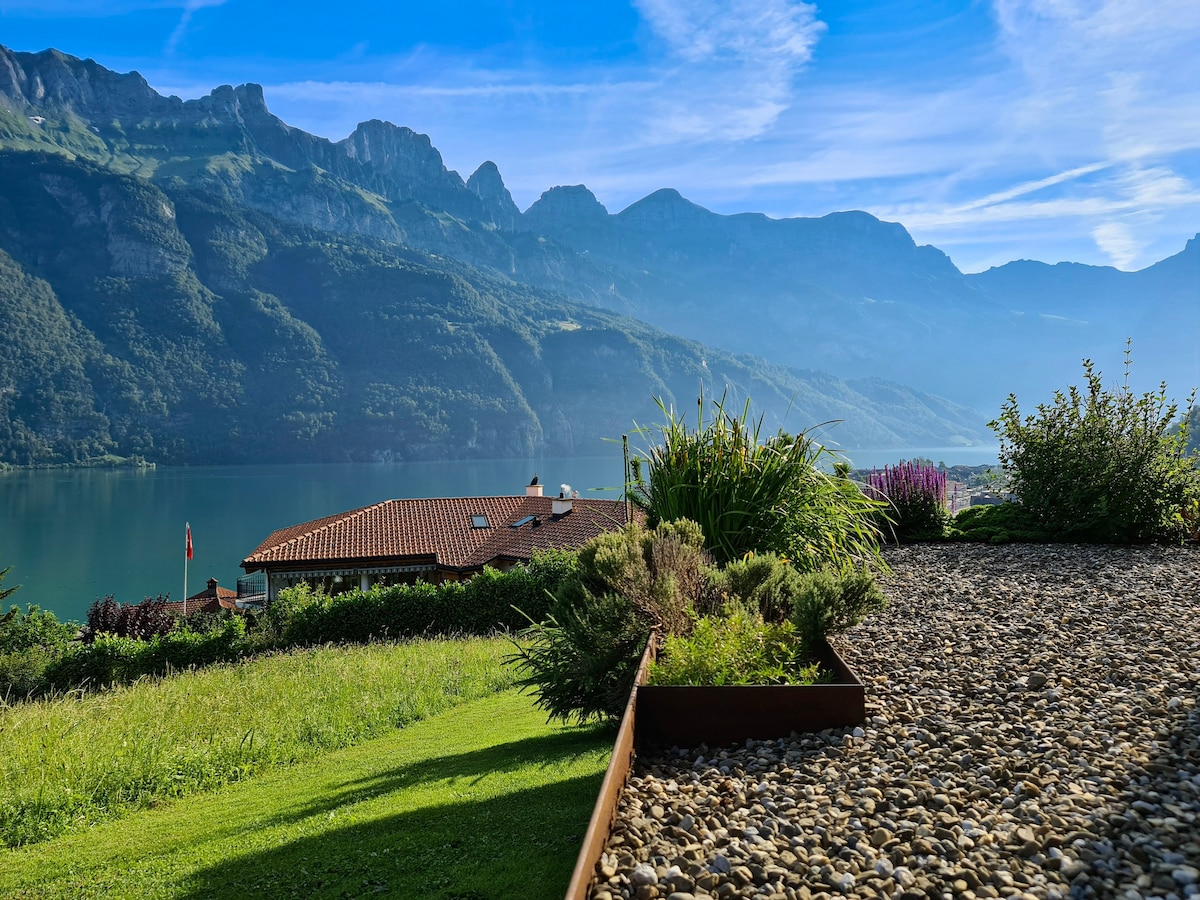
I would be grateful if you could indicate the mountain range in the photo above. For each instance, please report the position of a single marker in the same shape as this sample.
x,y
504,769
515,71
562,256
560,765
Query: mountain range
x,y
197,281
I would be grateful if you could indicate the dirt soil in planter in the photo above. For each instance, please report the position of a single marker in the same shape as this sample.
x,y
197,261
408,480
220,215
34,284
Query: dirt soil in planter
x,y
1032,732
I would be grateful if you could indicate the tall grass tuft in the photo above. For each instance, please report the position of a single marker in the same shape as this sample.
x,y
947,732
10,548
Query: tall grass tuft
x,y
82,758
754,494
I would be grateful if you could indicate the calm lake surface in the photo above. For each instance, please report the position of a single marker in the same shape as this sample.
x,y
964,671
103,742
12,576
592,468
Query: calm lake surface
x,y
74,535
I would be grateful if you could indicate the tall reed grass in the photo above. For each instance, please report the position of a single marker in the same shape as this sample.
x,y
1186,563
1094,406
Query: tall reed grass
x,y
754,493
82,758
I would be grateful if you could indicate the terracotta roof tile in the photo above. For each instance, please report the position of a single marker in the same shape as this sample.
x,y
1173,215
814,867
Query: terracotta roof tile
x,y
440,528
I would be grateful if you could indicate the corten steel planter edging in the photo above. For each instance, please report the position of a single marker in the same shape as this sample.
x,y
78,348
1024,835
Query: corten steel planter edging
x,y
686,716
605,811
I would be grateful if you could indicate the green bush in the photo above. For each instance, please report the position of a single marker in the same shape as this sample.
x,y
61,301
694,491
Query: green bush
x,y
735,647
764,580
1102,466
749,494
111,659
33,628
581,661
831,602
996,524
30,642
488,602
663,572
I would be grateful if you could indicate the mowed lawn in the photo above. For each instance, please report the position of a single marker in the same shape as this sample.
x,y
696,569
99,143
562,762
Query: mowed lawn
x,y
483,802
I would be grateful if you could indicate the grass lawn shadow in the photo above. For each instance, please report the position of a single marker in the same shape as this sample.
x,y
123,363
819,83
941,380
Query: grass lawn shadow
x,y
518,846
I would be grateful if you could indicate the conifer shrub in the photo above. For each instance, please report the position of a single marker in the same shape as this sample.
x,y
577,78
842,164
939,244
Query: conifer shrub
x,y
1101,465
830,602
580,660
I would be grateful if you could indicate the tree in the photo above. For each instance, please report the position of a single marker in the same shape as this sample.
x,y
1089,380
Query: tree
x,y
5,593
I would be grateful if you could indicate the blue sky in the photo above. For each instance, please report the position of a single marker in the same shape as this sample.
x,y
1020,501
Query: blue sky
x,y
997,130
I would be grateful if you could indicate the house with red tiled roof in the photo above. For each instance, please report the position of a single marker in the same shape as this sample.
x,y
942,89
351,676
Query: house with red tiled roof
x,y
213,598
441,539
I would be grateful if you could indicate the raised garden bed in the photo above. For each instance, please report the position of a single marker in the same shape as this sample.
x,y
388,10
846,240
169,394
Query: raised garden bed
x,y
686,716
683,716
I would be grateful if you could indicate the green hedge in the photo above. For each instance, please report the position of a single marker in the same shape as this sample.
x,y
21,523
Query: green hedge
x,y
488,602
38,655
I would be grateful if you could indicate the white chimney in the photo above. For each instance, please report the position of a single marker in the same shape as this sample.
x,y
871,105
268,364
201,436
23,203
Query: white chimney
x,y
534,488
563,502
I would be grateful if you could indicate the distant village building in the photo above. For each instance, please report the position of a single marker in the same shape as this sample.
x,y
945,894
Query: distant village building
x,y
213,598
434,540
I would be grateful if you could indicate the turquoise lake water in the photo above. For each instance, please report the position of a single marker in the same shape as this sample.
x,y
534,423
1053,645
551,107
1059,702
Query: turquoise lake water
x,y
74,535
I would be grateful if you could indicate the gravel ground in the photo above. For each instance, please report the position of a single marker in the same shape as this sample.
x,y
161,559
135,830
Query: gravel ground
x,y
1032,732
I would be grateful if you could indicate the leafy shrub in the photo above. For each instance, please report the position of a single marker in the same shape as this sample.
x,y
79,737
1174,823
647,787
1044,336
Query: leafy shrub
x,y
111,659
33,628
1097,465
29,642
23,672
916,498
750,494
736,647
831,602
141,621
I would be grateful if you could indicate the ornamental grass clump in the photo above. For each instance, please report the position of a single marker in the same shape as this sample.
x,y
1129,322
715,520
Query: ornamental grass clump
x,y
916,500
749,493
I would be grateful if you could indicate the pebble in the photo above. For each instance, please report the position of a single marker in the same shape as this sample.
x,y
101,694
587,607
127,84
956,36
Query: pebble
x,y
1032,731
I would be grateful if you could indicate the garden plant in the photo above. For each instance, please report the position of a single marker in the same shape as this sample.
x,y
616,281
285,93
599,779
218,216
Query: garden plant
x,y
749,492
1101,465
915,494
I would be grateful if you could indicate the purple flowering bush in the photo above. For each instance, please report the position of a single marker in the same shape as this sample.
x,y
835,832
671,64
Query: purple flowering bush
x,y
916,498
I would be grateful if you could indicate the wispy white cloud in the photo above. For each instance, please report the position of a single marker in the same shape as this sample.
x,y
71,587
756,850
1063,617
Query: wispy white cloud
x,y
730,69
189,9
1119,241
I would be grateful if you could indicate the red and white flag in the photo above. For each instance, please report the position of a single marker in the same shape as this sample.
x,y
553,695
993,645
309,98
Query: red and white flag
x,y
189,540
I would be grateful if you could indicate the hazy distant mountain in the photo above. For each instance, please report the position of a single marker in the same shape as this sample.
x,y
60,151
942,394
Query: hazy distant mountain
x,y
224,281
167,316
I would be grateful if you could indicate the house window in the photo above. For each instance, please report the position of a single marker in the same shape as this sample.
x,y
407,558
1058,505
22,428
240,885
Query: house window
x,y
524,521
479,521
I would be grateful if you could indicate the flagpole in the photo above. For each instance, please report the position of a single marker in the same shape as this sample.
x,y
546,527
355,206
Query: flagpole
x,y
187,554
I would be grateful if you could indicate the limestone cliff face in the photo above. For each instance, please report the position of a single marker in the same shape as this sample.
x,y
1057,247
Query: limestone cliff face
x,y
486,184
572,214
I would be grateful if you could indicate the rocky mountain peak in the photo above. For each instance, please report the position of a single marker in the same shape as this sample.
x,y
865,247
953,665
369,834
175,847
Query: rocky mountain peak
x,y
665,208
569,208
486,183
54,82
400,153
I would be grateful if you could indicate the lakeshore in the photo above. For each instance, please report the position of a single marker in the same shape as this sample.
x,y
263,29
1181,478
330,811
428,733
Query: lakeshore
x,y
73,536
